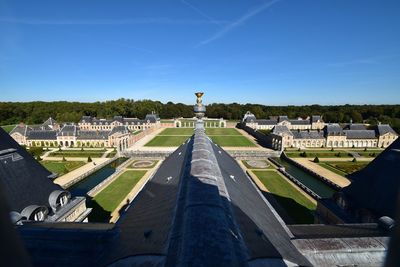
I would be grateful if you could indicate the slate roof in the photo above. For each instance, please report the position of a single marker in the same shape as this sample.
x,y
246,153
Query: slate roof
x,y
360,134
42,135
49,122
376,187
315,118
86,119
21,129
283,118
119,129
281,129
201,215
92,135
68,130
24,180
333,129
382,129
299,122
266,122
307,134
250,118
355,126
152,118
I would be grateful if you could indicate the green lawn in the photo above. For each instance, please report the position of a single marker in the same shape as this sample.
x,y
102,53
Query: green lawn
x,y
77,153
222,131
167,140
322,154
8,128
298,206
332,169
232,141
111,196
62,167
346,167
177,131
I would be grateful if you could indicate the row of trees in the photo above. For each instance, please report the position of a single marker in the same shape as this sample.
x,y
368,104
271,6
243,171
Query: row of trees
x,y
37,112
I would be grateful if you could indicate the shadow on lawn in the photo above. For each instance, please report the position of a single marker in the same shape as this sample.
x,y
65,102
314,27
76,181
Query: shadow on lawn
x,y
98,214
290,211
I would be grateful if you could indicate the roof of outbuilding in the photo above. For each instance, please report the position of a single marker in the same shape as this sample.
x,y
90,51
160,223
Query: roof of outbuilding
x,y
92,135
283,118
382,129
152,118
355,126
333,129
299,122
281,129
49,122
266,122
307,134
316,118
21,129
360,134
68,130
42,135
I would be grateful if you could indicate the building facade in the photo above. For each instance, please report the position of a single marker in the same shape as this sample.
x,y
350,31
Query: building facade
x,y
89,132
313,132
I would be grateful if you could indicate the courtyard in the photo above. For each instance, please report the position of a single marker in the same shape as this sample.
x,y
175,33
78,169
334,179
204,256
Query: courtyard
x,y
225,137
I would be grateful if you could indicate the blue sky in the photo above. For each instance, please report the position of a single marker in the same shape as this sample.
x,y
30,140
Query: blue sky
x,y
249,51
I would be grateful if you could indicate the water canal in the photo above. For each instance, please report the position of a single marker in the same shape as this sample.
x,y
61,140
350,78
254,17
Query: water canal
x,y
87,184
317,186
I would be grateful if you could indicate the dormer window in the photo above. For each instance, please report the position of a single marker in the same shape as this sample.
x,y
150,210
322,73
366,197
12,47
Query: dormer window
x,y
39,216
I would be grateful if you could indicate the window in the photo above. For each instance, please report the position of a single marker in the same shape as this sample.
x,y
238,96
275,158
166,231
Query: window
x,y
39,216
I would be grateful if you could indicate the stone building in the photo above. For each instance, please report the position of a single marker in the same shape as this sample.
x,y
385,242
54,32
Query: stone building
x,y
92,123
89,132
314,133
29,190
314,122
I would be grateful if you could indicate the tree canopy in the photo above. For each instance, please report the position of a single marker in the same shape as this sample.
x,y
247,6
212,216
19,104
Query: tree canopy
x,y
62,111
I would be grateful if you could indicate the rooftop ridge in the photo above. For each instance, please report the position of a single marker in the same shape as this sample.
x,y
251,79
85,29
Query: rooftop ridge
x,y
207,210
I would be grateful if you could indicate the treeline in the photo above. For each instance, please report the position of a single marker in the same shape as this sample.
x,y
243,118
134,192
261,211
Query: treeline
x,y
62,111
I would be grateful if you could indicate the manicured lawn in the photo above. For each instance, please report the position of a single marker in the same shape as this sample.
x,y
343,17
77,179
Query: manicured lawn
x,y
8,128
222,131
167,140
111,196
333,169
77,153
62,167
322,154
347,167
177,131
298,206
232,141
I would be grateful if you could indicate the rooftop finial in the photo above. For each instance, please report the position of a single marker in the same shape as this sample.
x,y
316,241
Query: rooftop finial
x,y
199,108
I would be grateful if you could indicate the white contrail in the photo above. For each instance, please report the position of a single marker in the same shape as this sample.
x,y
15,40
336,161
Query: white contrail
x,y
204,15
238,22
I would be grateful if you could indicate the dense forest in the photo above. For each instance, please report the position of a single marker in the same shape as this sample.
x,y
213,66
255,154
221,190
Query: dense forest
x,y
37,112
